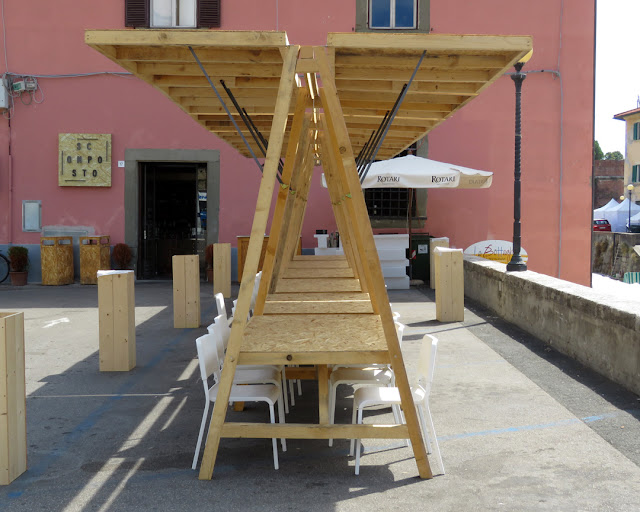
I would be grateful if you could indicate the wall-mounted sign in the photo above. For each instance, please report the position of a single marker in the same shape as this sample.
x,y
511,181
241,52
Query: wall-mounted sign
x,y
84,159
495,250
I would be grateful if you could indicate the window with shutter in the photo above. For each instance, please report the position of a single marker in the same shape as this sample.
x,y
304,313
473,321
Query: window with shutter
x,y
136,13
635,173
636,131
172,13
209,13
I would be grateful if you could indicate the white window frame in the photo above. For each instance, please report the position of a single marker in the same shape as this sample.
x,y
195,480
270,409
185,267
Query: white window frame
x,y
174,6
392,17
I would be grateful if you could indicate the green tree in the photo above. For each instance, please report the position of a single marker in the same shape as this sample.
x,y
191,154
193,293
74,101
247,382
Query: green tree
x,y
597,151
613,155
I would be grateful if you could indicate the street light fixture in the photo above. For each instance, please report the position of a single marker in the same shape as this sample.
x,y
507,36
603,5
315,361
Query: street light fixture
x,y
517,264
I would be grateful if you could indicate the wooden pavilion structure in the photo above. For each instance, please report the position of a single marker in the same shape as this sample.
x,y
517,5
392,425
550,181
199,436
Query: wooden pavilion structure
x,y
310,105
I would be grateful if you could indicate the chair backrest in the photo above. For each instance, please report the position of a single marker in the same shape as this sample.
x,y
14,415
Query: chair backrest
x,y
427,362
222,310
208,359
223,329
400,331
217,329
256,288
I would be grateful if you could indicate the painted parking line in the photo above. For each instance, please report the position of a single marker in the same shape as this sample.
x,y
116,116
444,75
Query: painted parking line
x,y
33,473
525,428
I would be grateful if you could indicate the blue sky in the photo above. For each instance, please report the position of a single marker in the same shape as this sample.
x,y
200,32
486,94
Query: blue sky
x,y
617,68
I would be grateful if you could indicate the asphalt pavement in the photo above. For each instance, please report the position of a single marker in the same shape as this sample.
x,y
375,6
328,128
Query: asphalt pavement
x,y
520,426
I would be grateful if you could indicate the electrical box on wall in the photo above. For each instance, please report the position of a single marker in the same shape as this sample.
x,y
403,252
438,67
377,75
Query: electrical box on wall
x,y
4,94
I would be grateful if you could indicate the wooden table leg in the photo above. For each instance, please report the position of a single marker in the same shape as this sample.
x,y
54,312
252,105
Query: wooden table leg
x,y
323,393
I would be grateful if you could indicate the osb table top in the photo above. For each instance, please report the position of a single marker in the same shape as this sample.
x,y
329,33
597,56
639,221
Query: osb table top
x,y
318,303
314,334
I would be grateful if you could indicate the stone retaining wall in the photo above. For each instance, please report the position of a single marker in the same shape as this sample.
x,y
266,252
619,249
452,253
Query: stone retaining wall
x,y
601,333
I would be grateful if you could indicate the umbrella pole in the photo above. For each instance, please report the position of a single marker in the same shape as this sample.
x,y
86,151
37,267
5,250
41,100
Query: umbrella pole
x,y
410,217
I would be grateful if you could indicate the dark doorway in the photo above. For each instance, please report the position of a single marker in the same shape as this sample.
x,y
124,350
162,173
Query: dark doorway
x,y
172,215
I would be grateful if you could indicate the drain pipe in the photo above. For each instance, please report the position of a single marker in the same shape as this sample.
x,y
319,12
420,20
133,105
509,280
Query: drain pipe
x,y
10,166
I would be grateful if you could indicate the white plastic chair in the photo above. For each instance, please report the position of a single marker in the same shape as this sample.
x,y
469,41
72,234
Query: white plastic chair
x,y
375,396
373,375
210,367
222,309
221,329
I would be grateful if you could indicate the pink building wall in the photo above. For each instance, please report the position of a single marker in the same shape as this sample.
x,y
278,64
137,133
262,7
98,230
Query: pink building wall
x,y
556,181
480,135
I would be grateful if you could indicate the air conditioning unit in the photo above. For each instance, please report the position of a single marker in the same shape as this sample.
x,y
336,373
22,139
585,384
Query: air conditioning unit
x,y
4,94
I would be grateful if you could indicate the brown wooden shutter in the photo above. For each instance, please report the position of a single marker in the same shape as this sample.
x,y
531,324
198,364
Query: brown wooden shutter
x,y
209,13
136,13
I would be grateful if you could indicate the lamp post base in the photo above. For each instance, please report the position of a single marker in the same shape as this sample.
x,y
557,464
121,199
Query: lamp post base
x,y
516,264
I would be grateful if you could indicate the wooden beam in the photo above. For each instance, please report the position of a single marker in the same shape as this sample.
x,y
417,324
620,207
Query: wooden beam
x,y
430,42
306,431
265,194
297,129
373,271
168,37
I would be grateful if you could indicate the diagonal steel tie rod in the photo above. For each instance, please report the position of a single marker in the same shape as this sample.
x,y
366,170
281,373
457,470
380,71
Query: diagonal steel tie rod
x,y
364,149
253,129
265,142
226,109
376,137
393,115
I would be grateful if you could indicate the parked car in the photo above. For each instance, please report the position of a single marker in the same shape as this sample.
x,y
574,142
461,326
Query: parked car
x,y
601,225
634,228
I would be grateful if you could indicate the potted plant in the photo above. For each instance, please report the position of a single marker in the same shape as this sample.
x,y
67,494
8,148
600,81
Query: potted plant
x,y
208,258
122,256
18,265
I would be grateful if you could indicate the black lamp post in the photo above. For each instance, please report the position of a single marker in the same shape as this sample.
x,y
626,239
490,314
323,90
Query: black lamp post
x,y
630,189
517,264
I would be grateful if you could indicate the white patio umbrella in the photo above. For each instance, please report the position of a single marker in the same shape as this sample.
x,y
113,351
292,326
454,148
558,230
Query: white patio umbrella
x,y
417,172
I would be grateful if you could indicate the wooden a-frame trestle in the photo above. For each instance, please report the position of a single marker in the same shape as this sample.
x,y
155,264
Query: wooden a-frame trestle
x,y
313,310
312,332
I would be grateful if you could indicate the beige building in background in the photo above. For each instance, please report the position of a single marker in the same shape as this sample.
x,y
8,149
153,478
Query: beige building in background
x,y
631,152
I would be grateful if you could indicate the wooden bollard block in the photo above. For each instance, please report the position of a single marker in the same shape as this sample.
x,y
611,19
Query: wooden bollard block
x,y
449,284
117,320
13,406
222,269
186,291
433,243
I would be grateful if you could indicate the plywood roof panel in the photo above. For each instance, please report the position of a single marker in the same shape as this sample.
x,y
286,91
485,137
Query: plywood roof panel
x,y
370,71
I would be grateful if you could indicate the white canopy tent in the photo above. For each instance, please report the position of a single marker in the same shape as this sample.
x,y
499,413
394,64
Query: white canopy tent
x,y
618,216
598,213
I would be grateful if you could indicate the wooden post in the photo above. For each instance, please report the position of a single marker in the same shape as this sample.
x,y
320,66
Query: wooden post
x,y
222,269
433,243
13,422
186,291
116,321
449,284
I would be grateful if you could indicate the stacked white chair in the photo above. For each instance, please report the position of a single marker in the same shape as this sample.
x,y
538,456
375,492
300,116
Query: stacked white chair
x,y
372,375
210,367
369,396
222,331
